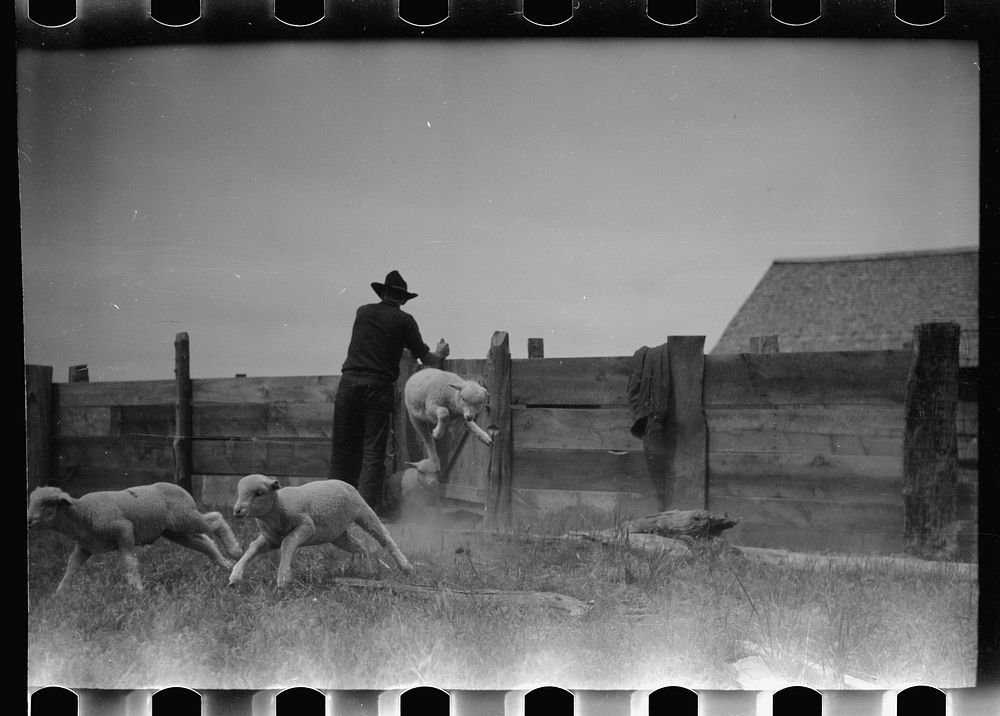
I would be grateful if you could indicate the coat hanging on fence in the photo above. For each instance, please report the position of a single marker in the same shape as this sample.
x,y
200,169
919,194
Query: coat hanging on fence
x,y
648,386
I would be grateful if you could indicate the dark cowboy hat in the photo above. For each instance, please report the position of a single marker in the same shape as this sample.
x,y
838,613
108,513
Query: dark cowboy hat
x,y
394,281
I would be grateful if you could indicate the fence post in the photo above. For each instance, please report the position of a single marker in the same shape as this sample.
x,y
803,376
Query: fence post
x,y
536,348
401,429
182,412
686,421
501,464
78,374
38,426
930,443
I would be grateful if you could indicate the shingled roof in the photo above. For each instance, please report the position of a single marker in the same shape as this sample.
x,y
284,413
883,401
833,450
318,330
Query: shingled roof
x,y
866,302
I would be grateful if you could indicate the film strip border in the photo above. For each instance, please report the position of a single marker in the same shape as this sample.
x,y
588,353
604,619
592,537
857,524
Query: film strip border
x,y
60,24
544,701
77,23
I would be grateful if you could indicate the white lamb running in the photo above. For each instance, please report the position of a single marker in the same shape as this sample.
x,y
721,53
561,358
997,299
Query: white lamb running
x,y
434,398
317,512
124,519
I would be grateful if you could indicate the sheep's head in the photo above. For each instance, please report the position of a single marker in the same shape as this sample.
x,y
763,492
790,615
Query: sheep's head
x,y
472,398
255,495
427,473
44,504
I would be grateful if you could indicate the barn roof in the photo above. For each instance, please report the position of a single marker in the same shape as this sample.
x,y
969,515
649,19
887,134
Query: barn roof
x,y
862,302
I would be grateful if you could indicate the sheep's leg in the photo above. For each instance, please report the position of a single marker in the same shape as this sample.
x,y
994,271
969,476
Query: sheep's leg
x,y
427,438
289,544
443,416
351,544
218,526
259,546
370,523
478,432
76,559
201,543
129,561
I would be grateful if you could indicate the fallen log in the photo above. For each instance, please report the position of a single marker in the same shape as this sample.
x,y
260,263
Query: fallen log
x,y
647,542
805,560
698,524
546,600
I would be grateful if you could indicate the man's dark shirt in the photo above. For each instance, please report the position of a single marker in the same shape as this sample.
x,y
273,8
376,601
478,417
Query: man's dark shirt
x,y
381,332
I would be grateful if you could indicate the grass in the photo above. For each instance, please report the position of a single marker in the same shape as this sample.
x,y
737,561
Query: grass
x,y
654,620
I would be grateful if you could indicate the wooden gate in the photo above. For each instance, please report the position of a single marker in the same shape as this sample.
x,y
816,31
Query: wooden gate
x,y
474,476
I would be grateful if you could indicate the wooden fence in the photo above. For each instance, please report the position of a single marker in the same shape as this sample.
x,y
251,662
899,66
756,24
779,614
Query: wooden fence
x,y
805,448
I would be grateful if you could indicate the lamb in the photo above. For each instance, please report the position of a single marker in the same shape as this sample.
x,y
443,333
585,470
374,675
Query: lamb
x,y
124,519
317,512
415,490
434,398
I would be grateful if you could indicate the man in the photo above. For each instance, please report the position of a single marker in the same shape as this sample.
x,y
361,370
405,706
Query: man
x,y
363,406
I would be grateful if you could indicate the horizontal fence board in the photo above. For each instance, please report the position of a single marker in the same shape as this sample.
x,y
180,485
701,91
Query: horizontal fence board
x,y
218,492
842,377
573,428
280,389
822,515
86,422
126,392
843,489
755,533
303,420
580,469
570,381
469,368
115,453
83,479
803,465
235,420
540,505
307,457
837,429
142,421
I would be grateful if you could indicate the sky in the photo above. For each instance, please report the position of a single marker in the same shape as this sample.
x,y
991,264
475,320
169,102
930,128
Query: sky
x,y
601,194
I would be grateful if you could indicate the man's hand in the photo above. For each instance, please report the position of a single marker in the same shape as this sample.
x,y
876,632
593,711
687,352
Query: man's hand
x,y
443,349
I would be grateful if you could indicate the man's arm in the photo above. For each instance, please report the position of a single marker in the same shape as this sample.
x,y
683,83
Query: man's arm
x,y
436,357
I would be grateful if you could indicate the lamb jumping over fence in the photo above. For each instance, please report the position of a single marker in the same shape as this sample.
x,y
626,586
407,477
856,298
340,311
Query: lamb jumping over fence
x,y
318,512
124,519
434,398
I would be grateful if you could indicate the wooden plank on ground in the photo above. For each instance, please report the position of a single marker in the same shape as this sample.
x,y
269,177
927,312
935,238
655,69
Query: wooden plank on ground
x,y
126,392
570,381
281,389
754,533
836,429
573,428
580,469
803,465
827,378
686,420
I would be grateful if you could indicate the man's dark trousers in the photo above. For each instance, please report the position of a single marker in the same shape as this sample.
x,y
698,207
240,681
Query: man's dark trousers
x,y
362,417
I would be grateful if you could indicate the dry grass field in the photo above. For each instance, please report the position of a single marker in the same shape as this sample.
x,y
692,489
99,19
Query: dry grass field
x,y
704,620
